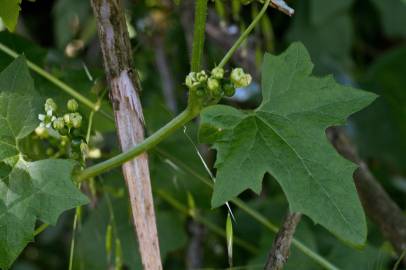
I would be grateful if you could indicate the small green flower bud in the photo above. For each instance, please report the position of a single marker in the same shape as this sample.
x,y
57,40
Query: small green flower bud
x,y
246,80
239,78
72,105
50,105
217,73
213,84
201,76
191,80
41,132
67,119
76,120
236,75
229,90
59,123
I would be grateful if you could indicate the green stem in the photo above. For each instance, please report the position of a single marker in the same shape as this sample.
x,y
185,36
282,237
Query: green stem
x,y
74,229
211,226
244,35
89,127
63,86
177,122
198,34
40,229
251,212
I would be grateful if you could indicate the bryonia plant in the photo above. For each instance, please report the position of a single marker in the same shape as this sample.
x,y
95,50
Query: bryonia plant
x,y
284,136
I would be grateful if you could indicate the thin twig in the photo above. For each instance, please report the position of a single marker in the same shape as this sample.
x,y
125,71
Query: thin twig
x,y
280,251
282,7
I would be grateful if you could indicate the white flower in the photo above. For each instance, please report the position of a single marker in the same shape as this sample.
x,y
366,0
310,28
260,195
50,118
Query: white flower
x,y
41,117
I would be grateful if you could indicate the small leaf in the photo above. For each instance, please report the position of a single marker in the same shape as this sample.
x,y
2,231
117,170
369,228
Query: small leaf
x,y
286,137
9,13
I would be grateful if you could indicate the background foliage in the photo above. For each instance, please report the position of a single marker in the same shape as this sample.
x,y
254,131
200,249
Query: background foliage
x,y
362,42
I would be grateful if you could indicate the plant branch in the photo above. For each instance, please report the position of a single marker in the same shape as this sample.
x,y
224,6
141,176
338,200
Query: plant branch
x,y
124,85
280,251
61,85
140,148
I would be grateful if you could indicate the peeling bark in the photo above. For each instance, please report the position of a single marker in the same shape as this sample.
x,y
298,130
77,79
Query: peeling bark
x,y
124,84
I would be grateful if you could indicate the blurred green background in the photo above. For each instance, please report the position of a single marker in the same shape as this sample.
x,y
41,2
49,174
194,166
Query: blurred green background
x,y
361,42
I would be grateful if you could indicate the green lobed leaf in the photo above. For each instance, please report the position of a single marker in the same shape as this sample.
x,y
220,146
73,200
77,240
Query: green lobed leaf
x,y
28,190
285,136
9,13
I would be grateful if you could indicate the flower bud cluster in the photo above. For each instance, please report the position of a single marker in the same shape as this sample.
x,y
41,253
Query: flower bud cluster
x,y
67,125
216,85
68,120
